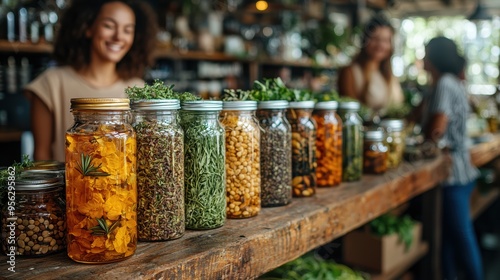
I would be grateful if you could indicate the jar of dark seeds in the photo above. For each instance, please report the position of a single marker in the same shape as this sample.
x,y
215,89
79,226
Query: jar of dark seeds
x,y
160,170
276,153
303,148
39,217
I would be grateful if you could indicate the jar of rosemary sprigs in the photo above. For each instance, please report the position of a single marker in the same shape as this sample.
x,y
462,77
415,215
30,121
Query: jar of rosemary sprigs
x,y
160,169
276,153
204,164
242,158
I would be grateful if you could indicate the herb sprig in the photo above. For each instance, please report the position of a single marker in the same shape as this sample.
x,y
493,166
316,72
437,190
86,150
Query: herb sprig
x,y
158,90
102,227
270,89
26,162
87,168
236,95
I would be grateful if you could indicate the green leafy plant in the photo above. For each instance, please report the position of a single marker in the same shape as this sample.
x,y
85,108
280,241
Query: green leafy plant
x,y
311,267
236,95
87,168
269,89
102,227
390,224
158,90
297,95
331,95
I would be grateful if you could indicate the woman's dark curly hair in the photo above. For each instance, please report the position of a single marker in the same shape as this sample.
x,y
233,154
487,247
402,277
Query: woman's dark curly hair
x,y
362,58
72,46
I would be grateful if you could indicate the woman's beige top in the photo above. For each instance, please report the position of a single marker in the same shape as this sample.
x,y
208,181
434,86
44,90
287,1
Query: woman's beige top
x,y
380,95
56,86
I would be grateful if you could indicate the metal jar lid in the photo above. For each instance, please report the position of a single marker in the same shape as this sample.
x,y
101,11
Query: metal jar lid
x,y
273,104
51,167
374,135
302,105
28,181
349,105
155,104
326,105
202,105
240,105
105,103
393,124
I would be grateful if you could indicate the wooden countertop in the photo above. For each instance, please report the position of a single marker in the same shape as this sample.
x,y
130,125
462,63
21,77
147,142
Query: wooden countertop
x,y
245,249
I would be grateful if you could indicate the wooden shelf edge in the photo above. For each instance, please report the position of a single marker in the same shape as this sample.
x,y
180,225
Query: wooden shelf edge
x,y
28,47
480,202
483,153
245,249
423,249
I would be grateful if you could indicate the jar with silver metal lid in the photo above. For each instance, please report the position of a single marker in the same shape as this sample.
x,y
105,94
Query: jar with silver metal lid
x,y
160,169
34,219
303,148
375,152
352,141
395,141
276,153
242,158
204,164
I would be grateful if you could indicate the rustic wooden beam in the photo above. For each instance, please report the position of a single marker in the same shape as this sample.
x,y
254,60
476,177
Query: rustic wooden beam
x,y
485,152
245,249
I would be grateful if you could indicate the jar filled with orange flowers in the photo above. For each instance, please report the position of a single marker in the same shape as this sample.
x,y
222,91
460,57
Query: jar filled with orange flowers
x,y
101,188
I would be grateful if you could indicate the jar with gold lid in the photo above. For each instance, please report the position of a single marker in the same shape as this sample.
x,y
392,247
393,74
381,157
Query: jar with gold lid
x,y
101,188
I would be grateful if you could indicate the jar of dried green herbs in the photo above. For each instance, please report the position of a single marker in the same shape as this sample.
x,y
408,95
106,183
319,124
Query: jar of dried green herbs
x,y
204,164
303,148
352,141
276,153
160,169
242,158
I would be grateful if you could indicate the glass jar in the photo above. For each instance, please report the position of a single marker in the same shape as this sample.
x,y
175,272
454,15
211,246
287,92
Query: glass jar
x,y
160,170
101,187
242,158
328,144
204,164
374,153
303,148
276,153
35,223
395,141
352,141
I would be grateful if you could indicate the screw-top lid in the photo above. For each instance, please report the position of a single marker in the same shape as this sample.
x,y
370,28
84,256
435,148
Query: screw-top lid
x,y
349,105
374,135
393,124
121,104
28,181
326,105
273,104
302,105
240,105
202,105
155,104
55,168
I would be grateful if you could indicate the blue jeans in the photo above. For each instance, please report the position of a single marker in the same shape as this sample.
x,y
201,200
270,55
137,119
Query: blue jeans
x,y
459,241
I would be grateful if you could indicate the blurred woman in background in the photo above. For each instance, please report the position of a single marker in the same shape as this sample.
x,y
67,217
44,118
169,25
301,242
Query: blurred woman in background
x,y
103,47
369,78
445,119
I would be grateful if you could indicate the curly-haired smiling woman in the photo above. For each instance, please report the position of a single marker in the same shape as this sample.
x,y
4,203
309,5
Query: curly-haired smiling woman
x,y
103,46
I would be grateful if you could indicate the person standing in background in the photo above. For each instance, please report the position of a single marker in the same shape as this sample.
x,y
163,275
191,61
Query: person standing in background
x,y
445,119
102,47
369,78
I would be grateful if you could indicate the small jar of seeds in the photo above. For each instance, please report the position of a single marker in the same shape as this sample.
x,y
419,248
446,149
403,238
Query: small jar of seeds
x,y
276,153
242,158
303,148
160,169
38,217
